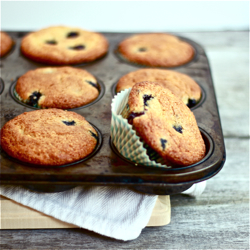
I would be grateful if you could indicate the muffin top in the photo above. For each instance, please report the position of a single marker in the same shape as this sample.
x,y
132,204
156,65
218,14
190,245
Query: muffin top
x,y
62,45
180,84
156,49
6,43
57,87
48,137
165,123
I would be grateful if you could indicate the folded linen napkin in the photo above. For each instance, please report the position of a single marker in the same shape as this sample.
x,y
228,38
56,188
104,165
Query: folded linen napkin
x,y
115,212
196,189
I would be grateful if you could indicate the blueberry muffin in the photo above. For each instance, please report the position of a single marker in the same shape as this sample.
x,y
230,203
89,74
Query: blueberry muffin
x,y
180,84
57,87
48,137
62,45
6,43
156,50
165,124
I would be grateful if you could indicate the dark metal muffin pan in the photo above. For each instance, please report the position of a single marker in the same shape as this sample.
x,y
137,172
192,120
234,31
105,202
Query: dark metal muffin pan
x,y
107,167
1,86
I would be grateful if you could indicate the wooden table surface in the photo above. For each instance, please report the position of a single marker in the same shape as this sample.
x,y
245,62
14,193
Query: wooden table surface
x,y
219,219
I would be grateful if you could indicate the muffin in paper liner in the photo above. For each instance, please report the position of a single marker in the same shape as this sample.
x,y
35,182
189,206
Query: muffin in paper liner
x,y
124,137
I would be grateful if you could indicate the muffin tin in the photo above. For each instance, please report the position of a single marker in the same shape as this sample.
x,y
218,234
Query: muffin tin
x,y
1,86
106,166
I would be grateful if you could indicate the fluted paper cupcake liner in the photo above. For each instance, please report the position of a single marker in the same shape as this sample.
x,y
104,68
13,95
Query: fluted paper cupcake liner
x,y
124,137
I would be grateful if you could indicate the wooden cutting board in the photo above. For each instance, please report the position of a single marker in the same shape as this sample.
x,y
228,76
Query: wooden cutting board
x,y
17,216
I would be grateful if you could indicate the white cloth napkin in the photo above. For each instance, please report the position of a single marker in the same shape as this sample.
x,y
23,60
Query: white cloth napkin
x,y
119,213
196,189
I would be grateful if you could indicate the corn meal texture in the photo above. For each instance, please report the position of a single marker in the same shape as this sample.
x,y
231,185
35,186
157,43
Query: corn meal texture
x,y
6,43
57,87
62,45
180,84
166,124
48,137
156,49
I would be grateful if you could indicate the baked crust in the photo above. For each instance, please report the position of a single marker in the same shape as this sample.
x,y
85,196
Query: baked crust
x,y
166,124
156,49
43,137
180,84
58,87
57,46
6,43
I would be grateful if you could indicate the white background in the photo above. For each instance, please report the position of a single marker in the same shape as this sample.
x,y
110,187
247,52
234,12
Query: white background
x,y
126,16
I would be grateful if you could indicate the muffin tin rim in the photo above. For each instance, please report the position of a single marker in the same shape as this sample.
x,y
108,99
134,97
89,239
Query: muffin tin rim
x,y
2,85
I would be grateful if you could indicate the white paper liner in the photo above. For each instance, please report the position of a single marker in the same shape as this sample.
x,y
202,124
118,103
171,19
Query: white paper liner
x,y
124,137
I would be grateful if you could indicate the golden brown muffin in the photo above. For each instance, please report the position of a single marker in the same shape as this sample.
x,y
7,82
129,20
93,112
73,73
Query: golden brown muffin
x,y
165,123
61,45
6,43
156,49
48,137
180,84
57,87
